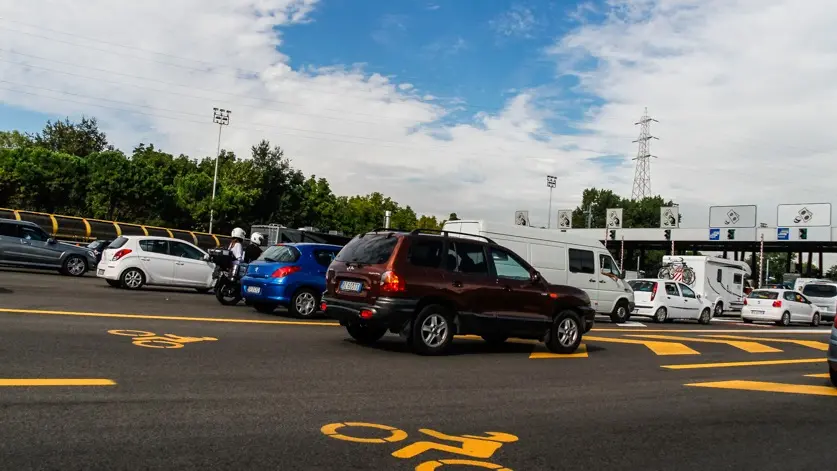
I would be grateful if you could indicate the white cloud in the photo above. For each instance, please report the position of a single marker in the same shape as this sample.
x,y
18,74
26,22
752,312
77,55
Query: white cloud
x,y
518,21
743,91
357,130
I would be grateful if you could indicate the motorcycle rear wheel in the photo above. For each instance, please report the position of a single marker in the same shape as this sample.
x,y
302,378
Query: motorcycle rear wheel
x,y
228,293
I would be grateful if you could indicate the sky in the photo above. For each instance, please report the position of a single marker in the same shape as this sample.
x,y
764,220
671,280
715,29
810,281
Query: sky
x,y
454,106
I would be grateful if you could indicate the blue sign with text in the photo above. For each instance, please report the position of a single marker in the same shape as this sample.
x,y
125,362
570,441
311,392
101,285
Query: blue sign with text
x,y
714,234
782,233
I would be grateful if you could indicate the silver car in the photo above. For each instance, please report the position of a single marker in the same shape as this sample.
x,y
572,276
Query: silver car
x,y
824,295
25,244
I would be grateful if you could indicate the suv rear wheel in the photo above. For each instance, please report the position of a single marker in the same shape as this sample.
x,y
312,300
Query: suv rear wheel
x,y
564,335
364,334
432,331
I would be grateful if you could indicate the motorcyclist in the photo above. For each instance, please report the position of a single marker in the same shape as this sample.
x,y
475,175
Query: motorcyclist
x,y
254,250
237,245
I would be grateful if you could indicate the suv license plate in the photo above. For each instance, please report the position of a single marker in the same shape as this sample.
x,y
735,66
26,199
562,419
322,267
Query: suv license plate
x,y
353,286
254,289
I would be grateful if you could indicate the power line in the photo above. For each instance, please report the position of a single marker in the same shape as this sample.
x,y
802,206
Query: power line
x,y
235,70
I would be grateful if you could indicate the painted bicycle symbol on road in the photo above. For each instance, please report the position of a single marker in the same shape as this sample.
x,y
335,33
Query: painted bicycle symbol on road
x,y
142,338
471,446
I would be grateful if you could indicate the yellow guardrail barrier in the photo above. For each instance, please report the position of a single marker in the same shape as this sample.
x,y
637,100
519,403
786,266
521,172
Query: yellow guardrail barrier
x,y
87,229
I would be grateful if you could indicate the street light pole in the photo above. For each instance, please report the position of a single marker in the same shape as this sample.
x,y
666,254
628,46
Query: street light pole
x,y
222,118
550,182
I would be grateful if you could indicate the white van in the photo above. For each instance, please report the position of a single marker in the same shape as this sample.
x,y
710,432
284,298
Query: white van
x,y
563,259
719,280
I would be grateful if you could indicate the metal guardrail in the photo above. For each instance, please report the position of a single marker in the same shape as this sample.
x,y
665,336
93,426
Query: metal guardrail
x,y
74,228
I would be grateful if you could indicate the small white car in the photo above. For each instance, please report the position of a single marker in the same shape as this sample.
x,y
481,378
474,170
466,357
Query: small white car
x,y
664,300
133,261
782,306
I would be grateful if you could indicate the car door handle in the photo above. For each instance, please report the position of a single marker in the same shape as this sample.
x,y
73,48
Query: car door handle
x,y
178,263
592,280
145,259
457,284
602,281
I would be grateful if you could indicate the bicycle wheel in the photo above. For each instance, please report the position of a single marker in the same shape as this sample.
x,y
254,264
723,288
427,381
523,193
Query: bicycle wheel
x,y
132,333
664,273
688,275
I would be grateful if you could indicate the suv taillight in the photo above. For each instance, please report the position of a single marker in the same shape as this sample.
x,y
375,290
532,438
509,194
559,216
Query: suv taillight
x,y
285,271
745,301
391,283
654,292
777,303
119,254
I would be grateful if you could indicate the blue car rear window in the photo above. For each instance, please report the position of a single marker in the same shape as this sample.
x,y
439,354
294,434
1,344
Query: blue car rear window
x,y
280,253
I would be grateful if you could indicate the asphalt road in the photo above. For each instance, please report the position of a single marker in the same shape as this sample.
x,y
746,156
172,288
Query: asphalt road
x,y
253,391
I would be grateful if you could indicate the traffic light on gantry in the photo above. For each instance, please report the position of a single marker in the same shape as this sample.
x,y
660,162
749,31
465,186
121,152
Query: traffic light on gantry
x,y
612,234
730,234
668,234
803,234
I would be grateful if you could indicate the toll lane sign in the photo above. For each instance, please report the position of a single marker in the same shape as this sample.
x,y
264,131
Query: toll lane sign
x,y
782,233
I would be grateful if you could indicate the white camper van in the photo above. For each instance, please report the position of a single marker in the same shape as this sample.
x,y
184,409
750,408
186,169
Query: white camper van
x,y
719,280
563,259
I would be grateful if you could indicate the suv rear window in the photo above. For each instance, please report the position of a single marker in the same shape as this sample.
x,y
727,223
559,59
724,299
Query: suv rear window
x,y
820,291
118,242
642,286
764,295
370,249
280,253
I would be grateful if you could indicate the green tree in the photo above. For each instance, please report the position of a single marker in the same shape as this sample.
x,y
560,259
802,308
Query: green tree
x,y
14,139
831,273
80,139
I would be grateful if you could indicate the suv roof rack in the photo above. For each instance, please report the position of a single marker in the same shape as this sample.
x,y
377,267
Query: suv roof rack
x,y
445,233
381,229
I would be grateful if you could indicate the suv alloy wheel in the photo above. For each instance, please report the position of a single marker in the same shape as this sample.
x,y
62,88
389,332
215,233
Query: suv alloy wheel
x,y
432,331
564,335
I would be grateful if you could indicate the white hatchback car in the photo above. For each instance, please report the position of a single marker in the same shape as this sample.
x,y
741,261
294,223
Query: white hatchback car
x,y
664,300
781,306
134,261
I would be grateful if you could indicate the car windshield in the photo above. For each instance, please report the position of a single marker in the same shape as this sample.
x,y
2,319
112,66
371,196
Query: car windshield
x,y
370,249
642,286
820,290
764,295
280,253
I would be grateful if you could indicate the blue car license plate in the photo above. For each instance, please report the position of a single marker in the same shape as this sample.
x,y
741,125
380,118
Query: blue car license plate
x,y
254,289
352,286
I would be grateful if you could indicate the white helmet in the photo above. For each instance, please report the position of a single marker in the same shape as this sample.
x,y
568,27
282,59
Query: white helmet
x,y
238,233
257,238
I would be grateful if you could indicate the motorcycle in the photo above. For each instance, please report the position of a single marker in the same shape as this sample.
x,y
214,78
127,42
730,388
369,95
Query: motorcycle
x,y
227,276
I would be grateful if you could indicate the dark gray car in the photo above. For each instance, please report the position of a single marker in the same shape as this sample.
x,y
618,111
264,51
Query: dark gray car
x,y
25,244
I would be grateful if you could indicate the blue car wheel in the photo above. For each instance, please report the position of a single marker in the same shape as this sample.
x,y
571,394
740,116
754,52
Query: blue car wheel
x,y
304,303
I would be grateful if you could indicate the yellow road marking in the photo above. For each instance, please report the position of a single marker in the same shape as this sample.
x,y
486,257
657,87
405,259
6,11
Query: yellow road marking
x,y
660,348
711,331
540,353
770,387
805,343
162,318
819,375
56,382
750,347
743,363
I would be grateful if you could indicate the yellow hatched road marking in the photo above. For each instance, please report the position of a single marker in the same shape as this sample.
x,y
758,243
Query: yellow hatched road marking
x,y
822,346
56,382
659,348
750,347
743,363
541,353
770,387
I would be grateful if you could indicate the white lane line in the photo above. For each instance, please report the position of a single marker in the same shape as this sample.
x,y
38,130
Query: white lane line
x,y
632,324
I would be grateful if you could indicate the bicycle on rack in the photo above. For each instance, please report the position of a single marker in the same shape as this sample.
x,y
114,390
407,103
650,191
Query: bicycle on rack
x,y
677,271
471,446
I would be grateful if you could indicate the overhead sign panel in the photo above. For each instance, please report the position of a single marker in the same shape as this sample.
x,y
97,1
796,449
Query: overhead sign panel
x,y
521,218
803,215
669,217
614,218
565,219
733,216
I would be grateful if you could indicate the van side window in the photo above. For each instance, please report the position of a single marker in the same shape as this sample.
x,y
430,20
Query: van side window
x,y
737,278
608,265
720,273
582,261
467,258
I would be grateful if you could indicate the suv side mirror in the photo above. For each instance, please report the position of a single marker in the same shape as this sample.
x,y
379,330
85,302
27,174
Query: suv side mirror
x,y
536,277
205,257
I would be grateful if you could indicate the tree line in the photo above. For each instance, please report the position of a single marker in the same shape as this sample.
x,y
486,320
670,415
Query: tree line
x,y
70,168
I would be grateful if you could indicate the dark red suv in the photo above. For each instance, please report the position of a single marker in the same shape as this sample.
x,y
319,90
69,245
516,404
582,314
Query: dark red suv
x,y
431,285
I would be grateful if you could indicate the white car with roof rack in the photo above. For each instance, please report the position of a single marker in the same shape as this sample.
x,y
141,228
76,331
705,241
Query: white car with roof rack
x,y
666,300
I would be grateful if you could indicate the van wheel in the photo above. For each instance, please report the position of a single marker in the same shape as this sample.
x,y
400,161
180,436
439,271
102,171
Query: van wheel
x,y
719,309
364,334
432,331
564,334
620,313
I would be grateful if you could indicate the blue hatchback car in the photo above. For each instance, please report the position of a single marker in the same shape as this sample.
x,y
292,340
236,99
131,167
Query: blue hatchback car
x,y
289,275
